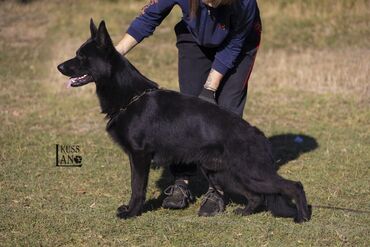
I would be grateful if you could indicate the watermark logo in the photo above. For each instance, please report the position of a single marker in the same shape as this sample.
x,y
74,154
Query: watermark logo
x,y
68,155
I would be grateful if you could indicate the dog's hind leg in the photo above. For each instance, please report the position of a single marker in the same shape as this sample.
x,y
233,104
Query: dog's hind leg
x,y
254,201
216,179
273,184
140,165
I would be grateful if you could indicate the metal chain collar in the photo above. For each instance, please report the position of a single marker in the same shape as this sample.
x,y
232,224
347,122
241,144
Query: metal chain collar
x,y
133,99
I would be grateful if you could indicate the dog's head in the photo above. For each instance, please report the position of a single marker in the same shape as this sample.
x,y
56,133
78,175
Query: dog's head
x,y
91,62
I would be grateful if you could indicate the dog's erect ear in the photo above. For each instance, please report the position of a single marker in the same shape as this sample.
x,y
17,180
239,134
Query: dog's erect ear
x,y
102,38
93,29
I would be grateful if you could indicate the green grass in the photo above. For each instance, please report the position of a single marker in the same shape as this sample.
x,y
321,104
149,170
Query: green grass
x,y
311,78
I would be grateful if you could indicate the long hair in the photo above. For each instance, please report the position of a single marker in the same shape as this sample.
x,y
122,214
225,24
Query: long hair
x,y
194,5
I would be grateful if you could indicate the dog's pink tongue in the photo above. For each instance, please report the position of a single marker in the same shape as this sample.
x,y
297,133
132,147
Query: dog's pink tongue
x,y
69,83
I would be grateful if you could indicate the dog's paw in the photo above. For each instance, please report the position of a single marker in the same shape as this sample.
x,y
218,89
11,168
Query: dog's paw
x,y
305,216
122,208
124,212
300,220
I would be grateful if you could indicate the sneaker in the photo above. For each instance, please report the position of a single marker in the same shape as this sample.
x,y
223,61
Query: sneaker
x,y
178,196
212,203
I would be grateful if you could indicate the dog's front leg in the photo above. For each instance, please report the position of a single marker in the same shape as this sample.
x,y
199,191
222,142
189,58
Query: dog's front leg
x,y
140,165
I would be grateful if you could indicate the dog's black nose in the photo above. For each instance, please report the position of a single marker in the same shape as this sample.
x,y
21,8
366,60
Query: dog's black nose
x,y
61,67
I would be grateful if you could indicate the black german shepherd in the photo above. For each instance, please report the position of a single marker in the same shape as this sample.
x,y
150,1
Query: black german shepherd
x,y
167,127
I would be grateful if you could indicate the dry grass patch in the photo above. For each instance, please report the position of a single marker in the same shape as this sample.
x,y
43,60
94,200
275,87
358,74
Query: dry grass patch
x,y
343,72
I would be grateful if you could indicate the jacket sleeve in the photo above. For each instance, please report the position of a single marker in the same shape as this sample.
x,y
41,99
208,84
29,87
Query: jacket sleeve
x,y
241,26
145,24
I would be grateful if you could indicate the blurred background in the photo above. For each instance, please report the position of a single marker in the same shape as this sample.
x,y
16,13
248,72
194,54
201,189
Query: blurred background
x,y
311,80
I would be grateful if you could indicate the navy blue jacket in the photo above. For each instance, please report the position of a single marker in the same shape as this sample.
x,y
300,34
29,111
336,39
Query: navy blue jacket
x,y
229,28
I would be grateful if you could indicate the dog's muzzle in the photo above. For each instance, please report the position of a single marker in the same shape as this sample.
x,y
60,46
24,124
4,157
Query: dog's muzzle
x,y
80,81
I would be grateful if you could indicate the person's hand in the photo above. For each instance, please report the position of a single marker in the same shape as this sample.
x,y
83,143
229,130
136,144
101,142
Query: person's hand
x,y
208,95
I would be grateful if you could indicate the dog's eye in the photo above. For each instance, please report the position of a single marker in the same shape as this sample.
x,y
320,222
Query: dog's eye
x,y
80,56
82,59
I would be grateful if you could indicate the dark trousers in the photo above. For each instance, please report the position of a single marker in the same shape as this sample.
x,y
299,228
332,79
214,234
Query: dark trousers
x,y
195,63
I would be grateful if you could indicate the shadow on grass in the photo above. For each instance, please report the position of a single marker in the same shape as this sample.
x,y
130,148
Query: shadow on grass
x,y
286,147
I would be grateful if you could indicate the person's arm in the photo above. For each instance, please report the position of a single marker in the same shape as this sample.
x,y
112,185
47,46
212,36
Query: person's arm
x,y
242,26
126,44
144,25
226,55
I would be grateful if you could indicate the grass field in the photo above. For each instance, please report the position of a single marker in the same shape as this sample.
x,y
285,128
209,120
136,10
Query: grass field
x,y
311,79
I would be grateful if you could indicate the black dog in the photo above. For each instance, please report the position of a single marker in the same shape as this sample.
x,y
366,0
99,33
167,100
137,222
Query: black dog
x,y
170,128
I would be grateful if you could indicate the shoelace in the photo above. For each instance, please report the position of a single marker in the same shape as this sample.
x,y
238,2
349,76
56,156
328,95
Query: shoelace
x,y
170,189
212,196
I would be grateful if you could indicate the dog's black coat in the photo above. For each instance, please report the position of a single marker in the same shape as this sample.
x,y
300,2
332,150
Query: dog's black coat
x,y
170,128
